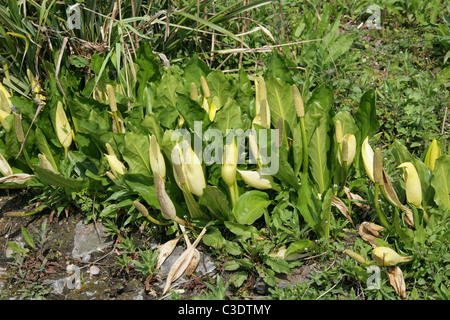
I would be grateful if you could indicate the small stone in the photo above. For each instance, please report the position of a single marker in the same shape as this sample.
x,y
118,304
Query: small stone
x,y
94,270
261,287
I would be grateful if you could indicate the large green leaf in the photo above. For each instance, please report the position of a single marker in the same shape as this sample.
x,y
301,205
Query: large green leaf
x,y
228,117
281,104
366,115
318,154
319,104
278,68
47,177
441,183
143,185
250,206
220,87
216,201
136,153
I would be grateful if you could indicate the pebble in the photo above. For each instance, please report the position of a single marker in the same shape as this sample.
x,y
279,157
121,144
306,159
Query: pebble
x,y
94,270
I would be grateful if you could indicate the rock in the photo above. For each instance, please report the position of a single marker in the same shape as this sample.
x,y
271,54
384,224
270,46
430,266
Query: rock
x,y
261,287
89,239
94,270
206,265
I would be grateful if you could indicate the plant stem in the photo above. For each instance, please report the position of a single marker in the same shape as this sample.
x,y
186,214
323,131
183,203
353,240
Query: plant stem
x,y
305,145
377,207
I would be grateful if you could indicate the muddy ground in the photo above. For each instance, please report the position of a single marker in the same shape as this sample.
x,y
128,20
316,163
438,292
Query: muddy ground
x,y
60,271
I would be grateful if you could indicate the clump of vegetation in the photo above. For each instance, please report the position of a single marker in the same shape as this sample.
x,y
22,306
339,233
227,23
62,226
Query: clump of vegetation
x,y
118,117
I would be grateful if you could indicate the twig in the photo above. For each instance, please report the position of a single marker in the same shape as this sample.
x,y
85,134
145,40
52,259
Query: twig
x,y
443,121
330,288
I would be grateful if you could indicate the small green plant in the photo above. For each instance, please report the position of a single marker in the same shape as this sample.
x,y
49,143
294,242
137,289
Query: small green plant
x,y
148,265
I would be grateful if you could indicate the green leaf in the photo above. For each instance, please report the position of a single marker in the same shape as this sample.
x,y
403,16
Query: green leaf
x,y
136,153
326,214
194,70
220,87
238,279
47,177
318,154
213,238
281,103
278,265
143,185
242,230
319,104
366,115
28,238
216,201
41,143
278,68
251,206
228,117
299,249
441,183
233,248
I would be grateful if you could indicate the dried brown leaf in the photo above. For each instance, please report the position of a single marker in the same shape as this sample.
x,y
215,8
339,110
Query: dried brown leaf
x,y
338,203
166,250
396,280
194,263
18,178
369,231
389,191
182,263
356,199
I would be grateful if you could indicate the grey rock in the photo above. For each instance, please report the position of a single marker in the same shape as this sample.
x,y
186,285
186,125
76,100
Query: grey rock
x,y
206,265
89,239
261,287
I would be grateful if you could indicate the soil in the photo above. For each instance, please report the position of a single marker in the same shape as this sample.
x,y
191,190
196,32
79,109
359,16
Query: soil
x,y
100,277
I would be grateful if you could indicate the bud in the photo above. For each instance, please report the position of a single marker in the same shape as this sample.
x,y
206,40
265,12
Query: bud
x,y
194,171
115,164
157,162
338,128
5,101
110,150
194,92
213,109
433,153
205,88
385,256
44,163
378,166
5,168
367,155
298,102
5,124
18,127
111,98
356,256
165,204
188,169
348,148
141,208
229,163
412,184
256,180
63,130
35,87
